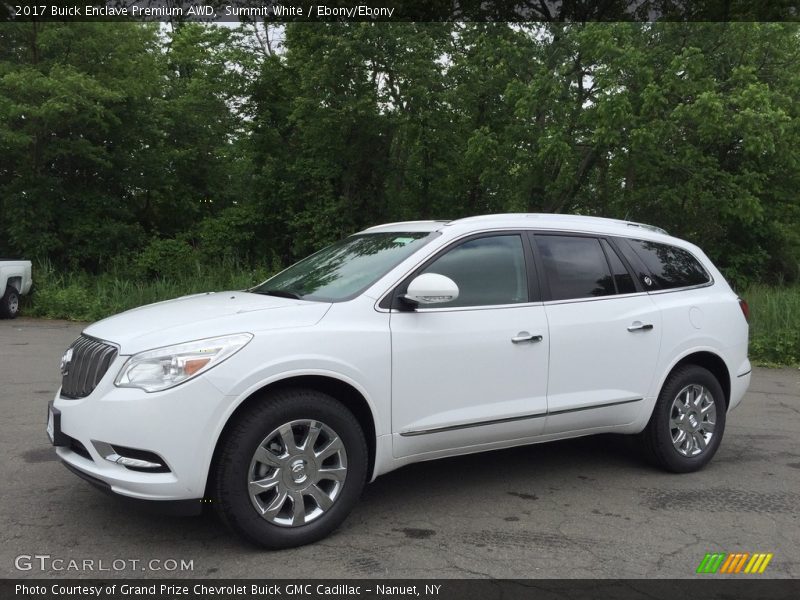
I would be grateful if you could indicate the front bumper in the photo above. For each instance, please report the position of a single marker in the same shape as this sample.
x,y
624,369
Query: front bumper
x,y
180,425
184,508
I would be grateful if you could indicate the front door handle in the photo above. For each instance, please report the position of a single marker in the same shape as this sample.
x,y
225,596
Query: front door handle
x,y
524,336
639,326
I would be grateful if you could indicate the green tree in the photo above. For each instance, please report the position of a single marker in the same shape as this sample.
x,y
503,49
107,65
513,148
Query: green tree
x,y
263,143
74,105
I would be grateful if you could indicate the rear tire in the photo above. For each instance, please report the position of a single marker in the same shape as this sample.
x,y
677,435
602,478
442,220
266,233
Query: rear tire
x,y
290,469
9,303
688,421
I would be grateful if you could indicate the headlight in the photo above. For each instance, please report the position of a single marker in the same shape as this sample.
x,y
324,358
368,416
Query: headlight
x,y
163,368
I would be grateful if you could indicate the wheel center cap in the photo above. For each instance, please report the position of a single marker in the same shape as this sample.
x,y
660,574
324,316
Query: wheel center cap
x,y
298,471
693,421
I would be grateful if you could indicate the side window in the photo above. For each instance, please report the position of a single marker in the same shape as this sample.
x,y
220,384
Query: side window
x,y
622,278
670,266
575,267
487,270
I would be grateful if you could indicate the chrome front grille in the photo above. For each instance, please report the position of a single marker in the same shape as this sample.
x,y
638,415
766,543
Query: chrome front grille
x,y
89,360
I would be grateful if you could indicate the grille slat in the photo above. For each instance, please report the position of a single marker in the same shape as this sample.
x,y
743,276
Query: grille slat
x,y
79,368
88,368
100,365
69,380
80,375
91,358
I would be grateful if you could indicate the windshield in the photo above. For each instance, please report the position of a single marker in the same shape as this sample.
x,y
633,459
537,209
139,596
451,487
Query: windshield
x,y
343,270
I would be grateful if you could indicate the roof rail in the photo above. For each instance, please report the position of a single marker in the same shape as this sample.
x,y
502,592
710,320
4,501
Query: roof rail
x,y
646,226
562,217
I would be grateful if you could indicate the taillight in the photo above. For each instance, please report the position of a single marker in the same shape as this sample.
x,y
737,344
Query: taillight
x,y
745,309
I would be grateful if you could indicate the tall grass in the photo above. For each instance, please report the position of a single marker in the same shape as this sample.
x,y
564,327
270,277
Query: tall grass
x,y
774,324
84,297
774,311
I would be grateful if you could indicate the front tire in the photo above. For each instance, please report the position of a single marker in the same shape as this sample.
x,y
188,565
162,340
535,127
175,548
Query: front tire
x,y
688,421
290,469
9,303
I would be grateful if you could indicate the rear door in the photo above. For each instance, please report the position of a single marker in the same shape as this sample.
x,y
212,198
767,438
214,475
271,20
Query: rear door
x,y
604,333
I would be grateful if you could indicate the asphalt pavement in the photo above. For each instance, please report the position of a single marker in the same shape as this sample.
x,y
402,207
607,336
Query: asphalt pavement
x,y
587,508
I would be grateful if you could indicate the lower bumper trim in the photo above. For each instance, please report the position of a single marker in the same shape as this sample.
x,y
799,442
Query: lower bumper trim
x,y
178,508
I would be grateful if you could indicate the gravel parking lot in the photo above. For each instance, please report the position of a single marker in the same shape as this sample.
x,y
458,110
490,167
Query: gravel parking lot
x,y
581,508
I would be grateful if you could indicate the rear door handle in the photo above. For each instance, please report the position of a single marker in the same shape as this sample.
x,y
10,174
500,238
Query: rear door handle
x,y
524,336
639,326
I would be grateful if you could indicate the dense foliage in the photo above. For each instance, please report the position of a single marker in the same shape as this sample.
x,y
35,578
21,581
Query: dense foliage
x,y
143,150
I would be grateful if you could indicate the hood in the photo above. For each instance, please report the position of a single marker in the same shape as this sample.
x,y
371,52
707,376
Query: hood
x,y
203,316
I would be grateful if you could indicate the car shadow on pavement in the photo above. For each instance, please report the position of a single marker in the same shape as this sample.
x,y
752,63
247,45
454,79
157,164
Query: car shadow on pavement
x,y
517,472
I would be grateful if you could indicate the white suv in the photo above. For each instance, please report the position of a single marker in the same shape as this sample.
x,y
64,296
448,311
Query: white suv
x,y
405,342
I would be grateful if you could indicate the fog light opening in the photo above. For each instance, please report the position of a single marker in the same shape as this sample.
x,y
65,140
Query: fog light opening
x,y
136,460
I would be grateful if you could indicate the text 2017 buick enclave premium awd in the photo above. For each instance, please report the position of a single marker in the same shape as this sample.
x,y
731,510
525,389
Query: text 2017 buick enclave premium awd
x,y
402,343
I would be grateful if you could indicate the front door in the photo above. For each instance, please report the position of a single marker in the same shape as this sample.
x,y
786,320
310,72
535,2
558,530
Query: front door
x,y
473,371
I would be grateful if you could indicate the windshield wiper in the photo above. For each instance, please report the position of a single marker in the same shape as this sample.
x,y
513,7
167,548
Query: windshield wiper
x,y
279,294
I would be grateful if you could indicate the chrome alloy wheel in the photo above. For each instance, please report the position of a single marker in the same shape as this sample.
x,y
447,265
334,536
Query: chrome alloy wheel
x,y
297,473
693,417
13,304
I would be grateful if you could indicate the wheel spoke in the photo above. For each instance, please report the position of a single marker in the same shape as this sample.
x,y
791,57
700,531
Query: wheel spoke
x,y
699,396
699,441
679,439
709,426
331,448
271,511
311,437
263,485
689,396
266,457
688,447
320,497
298,509
287,437
335,473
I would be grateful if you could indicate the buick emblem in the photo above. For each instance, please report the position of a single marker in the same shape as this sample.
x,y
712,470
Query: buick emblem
x,y
65,360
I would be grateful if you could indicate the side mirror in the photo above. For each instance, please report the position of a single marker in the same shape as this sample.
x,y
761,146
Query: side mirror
x,y
431,288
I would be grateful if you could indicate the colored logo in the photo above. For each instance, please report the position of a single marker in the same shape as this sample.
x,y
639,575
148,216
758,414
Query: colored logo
x,y
738,562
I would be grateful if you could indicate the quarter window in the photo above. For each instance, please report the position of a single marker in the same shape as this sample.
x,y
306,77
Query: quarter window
x,y
575,267
670,266
487,270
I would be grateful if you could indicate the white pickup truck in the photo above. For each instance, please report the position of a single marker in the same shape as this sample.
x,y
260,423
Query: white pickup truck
x,y
15,281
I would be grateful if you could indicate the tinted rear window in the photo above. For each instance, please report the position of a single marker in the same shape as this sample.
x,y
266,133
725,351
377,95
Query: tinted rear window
x,y
575,267
670,266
